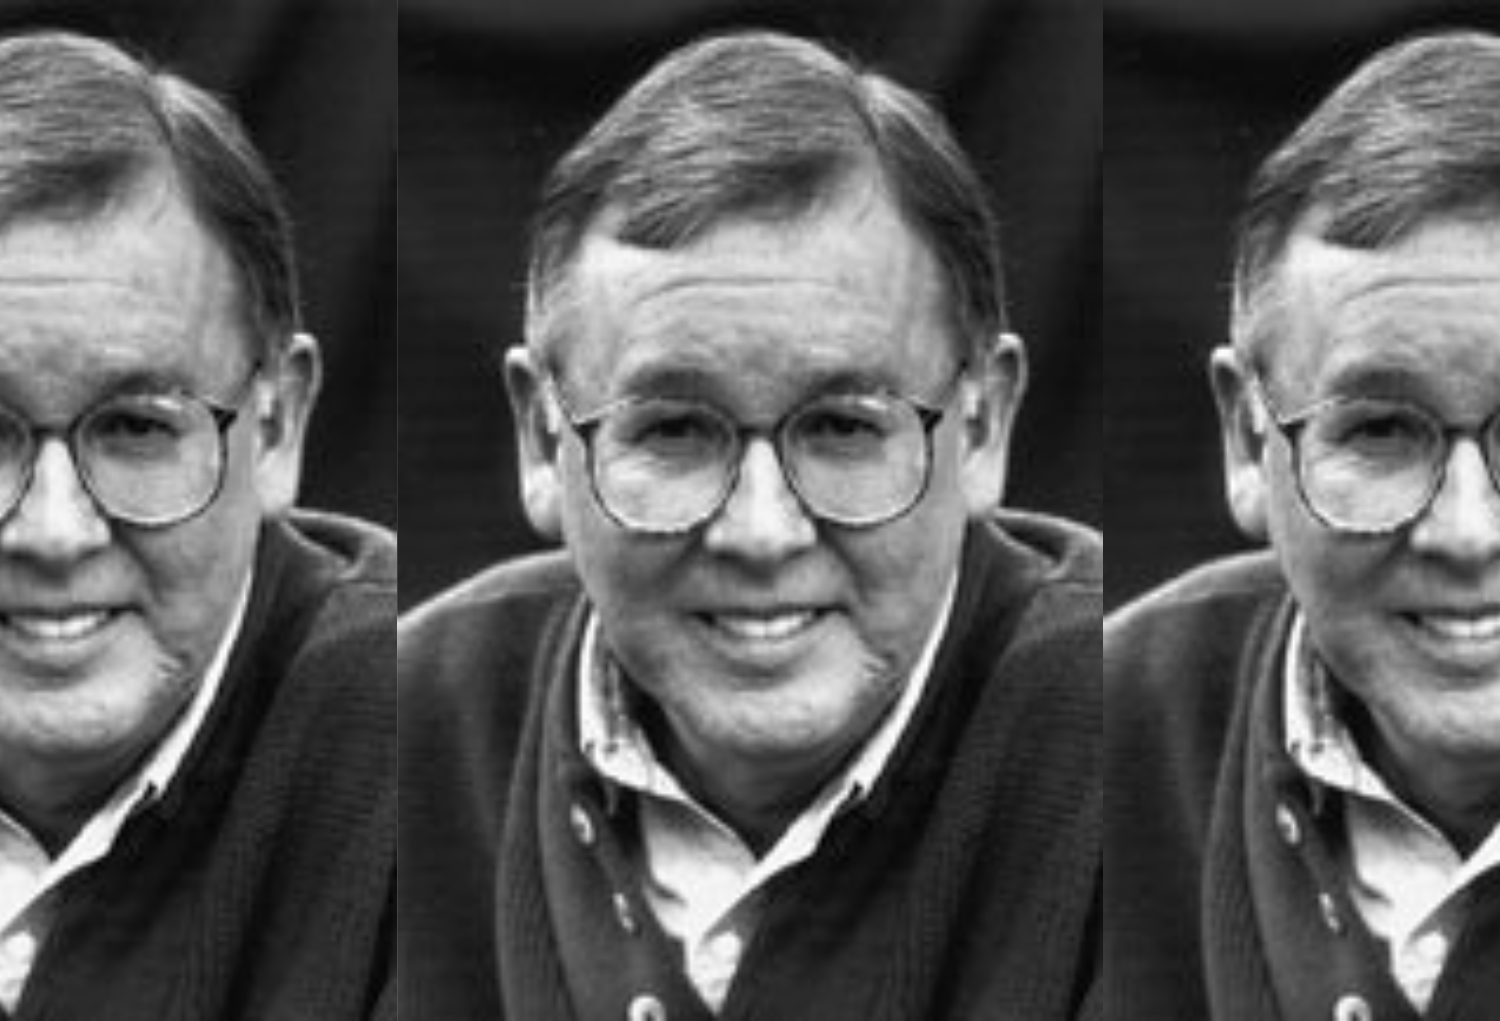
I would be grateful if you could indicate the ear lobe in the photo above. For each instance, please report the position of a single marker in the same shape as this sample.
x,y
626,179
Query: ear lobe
x,y
1242,430
537,443
989,396
283,402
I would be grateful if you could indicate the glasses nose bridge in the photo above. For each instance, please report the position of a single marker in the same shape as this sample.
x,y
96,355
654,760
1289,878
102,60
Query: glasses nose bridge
x,y
774,437
1486,487
1455,440
39,438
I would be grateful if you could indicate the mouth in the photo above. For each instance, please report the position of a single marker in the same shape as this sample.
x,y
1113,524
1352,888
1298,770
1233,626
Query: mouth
x,y
763,626
56,631
1463,639
1458,626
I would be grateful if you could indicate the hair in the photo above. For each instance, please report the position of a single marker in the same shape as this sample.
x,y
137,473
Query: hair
x,y
762,125
83,124
1412,136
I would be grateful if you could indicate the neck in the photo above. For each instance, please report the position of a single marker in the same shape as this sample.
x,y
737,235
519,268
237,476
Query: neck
x,y
1458,795
52,806
758,798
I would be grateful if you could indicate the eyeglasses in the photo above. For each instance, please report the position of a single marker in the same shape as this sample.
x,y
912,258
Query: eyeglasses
x,y
1371,466
664,466
146,459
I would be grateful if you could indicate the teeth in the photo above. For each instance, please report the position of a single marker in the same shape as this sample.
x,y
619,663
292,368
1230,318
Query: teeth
x,y
763,629
55,628
1462,628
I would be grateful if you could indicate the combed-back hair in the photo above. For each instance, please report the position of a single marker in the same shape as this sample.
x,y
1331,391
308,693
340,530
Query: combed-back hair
x,y
83,123
1413,135
763,125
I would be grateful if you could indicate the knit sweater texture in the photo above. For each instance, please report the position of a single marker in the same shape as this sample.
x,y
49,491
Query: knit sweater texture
x,y
1225,897
966,886
260,886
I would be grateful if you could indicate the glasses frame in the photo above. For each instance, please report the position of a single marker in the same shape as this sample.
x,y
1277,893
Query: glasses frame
x,y
929,413
1291,427
223,412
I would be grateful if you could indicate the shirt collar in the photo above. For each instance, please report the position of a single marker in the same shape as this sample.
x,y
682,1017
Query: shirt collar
x,y
166,759
1317,738
617,747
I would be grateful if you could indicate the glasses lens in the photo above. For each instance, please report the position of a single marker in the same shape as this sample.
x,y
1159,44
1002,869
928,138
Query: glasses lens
x,y
663,464
1370,465
1492,448
151,458
857,459
15,458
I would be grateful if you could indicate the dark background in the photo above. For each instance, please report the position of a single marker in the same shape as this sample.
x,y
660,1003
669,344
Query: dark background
x,y
493,91
315,80
1197,93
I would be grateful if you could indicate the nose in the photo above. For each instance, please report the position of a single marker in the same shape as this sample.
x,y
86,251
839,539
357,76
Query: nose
x,y
56,519
762,520
1463,522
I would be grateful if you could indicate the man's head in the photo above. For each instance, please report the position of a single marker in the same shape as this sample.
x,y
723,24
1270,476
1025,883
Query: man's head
x,y
763,272
1367,324
153,395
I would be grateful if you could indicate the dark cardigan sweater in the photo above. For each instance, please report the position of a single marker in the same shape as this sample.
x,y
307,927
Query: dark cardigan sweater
x,y
966,887
261,885
1223,898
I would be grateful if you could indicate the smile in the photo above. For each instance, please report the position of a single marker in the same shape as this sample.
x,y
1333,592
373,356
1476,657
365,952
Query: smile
x,y
57,627
758,627
1460,627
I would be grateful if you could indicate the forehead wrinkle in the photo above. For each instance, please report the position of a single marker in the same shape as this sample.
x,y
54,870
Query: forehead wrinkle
x,y
1435,284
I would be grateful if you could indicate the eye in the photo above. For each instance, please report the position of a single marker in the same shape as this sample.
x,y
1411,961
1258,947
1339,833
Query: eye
x,y
1376,431
138,426
665,430
846,426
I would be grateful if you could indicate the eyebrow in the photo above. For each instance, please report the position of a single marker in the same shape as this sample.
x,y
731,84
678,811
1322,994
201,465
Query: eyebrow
x,y
1396,378
676,379
134,380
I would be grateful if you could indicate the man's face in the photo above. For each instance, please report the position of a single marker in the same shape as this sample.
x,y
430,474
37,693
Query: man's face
x,y
1410,622
105,628
771,641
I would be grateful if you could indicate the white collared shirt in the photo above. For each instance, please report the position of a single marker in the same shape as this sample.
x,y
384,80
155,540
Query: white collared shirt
x,y
700,879
30,877
1409,883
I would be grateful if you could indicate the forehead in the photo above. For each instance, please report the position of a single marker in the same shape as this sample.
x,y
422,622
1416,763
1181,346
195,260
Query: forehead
x,y
847,289
139,288
1424,312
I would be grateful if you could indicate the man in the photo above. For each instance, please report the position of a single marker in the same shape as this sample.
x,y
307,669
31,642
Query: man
x,y
1303,745
197,806
800,726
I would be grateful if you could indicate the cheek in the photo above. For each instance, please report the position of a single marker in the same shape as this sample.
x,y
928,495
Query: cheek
x,y
900,574
195,570
624,574
1339,583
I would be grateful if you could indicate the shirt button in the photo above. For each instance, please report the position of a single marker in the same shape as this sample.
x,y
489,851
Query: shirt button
x,y
1352,1008
583,826
726,948
1287,825
646,1008
625,914
1431,947
20,948
1329,909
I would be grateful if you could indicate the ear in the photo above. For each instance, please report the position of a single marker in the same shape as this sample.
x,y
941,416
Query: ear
x,y
1242,427
285,394
989,394
537,428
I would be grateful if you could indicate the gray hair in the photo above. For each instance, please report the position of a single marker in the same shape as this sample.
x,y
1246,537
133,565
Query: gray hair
x,y
763,124
1413,135
82,123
